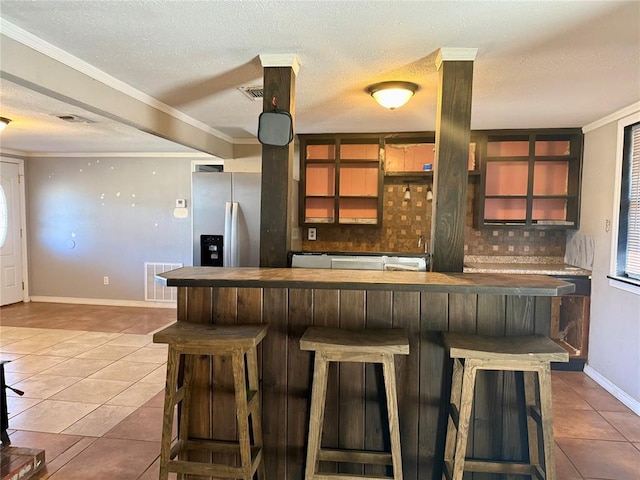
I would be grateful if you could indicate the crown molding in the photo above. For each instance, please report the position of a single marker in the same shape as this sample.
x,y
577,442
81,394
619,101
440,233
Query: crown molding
x,y
13,153
623,112
198,155
281,60
455,54
29,40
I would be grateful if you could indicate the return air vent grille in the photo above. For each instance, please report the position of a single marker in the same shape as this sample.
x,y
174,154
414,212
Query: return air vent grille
x,y
254,93
74,119
154,292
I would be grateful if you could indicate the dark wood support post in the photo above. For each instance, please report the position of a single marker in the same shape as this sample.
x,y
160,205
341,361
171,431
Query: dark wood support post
x,y
277,165
453,125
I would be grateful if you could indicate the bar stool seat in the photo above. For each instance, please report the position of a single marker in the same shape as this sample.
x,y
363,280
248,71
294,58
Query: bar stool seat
x,y
529,354
238,342
363,346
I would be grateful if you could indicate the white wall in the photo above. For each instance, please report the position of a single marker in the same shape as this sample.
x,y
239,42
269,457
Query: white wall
x,y
614,339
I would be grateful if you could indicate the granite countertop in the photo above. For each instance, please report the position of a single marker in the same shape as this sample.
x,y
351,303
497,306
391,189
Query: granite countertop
x,y
522,265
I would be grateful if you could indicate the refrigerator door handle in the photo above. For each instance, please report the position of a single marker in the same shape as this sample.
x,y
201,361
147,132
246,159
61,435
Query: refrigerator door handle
x,y
235,248
226,246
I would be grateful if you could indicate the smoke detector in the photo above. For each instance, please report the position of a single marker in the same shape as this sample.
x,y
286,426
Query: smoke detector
x,y
254,93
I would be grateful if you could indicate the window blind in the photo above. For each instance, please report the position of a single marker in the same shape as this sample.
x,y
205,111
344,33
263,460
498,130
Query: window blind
x,y
632,267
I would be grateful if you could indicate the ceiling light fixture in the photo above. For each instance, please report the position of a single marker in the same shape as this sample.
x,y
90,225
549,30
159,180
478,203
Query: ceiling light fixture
x,y
392,95
4,122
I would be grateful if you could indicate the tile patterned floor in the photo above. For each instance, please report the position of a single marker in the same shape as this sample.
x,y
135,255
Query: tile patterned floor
x,y
93,384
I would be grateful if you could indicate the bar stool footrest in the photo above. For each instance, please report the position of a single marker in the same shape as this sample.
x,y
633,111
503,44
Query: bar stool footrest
x,y
347,476
492,466
355,456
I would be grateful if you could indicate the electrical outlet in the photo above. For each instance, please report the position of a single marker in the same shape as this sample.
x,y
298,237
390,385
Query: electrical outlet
x,y
105,280
312,234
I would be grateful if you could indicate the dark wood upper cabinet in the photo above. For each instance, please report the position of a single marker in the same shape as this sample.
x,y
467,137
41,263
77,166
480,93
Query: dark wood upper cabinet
x,y
530,178
341,179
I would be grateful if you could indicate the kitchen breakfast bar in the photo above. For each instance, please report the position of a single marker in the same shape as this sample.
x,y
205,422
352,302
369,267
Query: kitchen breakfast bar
x,y
424,304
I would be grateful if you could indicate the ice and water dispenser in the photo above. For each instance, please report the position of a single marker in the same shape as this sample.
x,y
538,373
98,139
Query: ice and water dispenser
x,y
211,251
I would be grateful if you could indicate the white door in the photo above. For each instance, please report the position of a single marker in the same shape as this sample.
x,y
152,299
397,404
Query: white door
x,y
10,242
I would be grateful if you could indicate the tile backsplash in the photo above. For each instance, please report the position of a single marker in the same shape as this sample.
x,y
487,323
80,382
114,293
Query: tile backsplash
x,y
406,228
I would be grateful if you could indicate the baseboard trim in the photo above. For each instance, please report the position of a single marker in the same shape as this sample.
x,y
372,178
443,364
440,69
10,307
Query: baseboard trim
x,y
614,390
102,301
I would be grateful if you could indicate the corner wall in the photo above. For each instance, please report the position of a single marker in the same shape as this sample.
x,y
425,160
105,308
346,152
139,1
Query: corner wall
x,y
614,339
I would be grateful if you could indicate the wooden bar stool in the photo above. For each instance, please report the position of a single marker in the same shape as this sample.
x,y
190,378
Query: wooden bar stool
x,y
236,341
531,355
364,346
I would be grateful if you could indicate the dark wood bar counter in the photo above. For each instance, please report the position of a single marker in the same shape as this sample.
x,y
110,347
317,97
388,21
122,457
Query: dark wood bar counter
x,y
424,304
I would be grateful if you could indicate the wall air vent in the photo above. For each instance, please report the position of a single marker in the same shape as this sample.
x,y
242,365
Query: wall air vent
x,y
254,93
74,119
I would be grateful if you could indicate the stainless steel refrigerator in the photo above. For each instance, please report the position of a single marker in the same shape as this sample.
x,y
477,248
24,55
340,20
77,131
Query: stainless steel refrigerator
x,y
227,205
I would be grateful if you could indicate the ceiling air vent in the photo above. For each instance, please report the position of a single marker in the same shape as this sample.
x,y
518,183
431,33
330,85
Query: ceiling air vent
x,y
74,119
254,93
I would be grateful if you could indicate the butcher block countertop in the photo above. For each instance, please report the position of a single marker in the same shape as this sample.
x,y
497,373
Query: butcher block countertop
x,y
475,283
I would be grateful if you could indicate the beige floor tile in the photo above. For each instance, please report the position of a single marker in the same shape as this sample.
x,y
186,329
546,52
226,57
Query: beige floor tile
x,y
136,395
637,445
7,341
602,459
126,371
92,390
132,340
33,363
78,366
51,416
149,354
600,399
59,335
66,349
627,423
28,346
96,338
43,386
566,397
16,405
157,377
100,421
108,352
585,424
9,357
564,468
20,332
11,378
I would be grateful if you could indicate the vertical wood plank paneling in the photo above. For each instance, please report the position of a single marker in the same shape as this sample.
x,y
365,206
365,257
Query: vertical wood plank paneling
x,y
274,381
434,313
223,399
351,432
542,319
519,321
200,310
487,425
379,315
299,380
326,313
406,308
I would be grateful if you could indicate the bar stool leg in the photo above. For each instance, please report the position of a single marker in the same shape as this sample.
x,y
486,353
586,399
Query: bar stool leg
x,y
316,416
533,427
466,402
456,391
242,413
546,411
256,415
173,360
389,371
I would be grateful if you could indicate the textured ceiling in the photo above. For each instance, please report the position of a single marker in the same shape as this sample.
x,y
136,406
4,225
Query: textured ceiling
x,y
539,64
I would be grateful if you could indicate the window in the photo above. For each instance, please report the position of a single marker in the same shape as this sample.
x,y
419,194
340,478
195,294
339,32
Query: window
x,y
628,251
